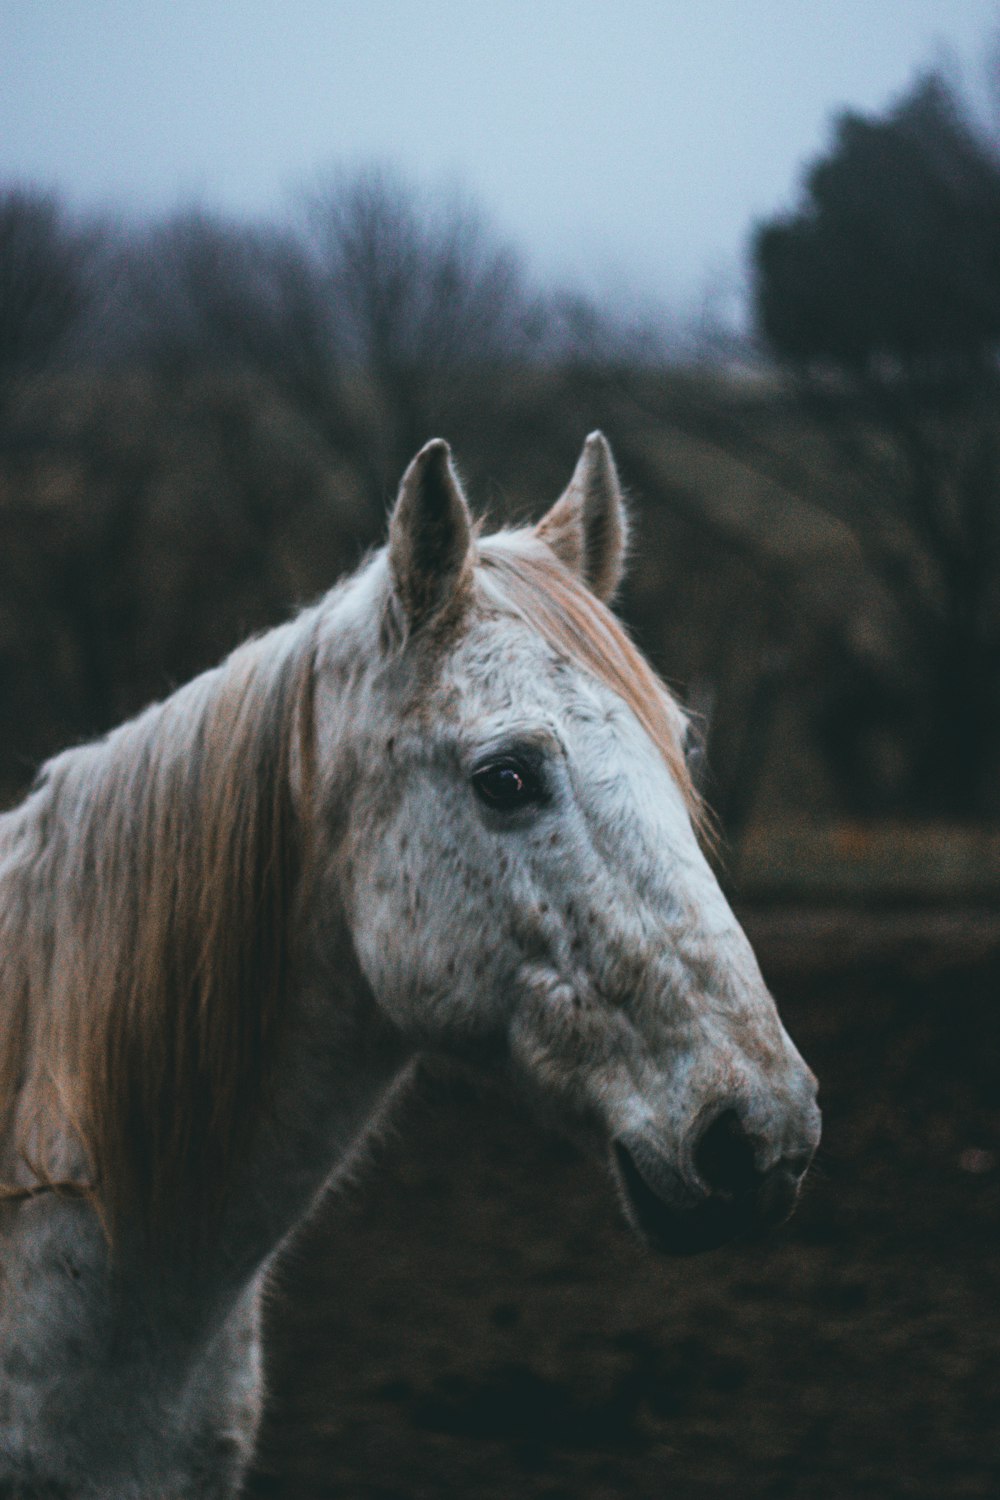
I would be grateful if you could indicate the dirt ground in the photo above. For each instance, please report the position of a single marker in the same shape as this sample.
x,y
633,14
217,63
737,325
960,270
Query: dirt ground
x,y
473,1319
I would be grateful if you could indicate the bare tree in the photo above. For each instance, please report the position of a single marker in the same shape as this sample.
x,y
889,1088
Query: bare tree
x,y
47,283
428,306
200,293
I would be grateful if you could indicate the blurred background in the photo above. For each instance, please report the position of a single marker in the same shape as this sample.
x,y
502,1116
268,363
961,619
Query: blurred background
x,y
249,262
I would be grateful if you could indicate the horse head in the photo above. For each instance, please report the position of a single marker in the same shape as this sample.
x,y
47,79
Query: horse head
x,y
524,879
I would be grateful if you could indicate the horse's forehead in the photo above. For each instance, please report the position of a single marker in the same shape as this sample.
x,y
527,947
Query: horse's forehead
x,y
498,648
500,659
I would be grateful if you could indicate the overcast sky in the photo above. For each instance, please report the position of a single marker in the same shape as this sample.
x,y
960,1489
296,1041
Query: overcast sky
x,y
619,143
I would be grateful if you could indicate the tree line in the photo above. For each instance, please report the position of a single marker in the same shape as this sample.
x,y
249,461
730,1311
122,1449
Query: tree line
x,y
202,421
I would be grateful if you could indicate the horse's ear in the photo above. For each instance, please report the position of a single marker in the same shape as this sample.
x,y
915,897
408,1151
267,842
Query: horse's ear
x,y
587,528
430,535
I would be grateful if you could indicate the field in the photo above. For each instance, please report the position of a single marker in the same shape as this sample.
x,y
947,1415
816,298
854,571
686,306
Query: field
x,y
472,1319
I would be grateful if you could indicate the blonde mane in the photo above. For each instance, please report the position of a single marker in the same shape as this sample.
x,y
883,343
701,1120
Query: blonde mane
x,y
145,942
529,580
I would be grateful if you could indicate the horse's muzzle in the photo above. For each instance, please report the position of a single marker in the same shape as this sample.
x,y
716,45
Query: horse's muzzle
x,y
723,1196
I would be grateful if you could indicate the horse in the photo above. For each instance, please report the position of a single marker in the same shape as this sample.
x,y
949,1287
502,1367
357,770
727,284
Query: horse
x,y
446,810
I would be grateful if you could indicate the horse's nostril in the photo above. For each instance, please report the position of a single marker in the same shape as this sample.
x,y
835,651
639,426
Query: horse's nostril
x,y
724,1157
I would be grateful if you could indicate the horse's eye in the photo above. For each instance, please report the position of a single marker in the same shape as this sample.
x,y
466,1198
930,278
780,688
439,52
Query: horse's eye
x,y
507,785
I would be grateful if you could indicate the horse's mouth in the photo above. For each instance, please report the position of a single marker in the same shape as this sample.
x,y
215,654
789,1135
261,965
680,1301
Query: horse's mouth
x,y
675,1219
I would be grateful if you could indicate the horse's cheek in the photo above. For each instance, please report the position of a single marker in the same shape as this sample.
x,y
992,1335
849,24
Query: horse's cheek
x,y
557,1042
381,962
411,926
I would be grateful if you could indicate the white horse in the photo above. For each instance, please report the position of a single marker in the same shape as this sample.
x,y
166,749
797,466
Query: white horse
x,y
444,810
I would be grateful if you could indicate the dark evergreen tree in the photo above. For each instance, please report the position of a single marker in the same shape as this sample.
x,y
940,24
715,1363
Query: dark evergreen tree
x,y
880,295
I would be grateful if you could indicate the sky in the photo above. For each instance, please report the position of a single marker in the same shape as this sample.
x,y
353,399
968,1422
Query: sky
x,y
624,146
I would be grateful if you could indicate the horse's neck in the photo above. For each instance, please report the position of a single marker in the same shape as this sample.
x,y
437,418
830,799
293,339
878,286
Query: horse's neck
x,y
339,1065
335,1060
338,1060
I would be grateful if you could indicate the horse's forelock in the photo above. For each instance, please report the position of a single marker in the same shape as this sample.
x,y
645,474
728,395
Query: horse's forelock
x,y
521,574
169,881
